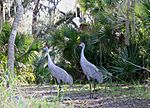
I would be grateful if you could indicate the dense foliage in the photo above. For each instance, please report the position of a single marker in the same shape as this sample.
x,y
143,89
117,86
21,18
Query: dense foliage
x,y
109,26
105,38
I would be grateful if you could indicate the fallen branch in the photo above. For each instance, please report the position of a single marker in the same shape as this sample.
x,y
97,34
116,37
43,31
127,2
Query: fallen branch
x,y
135,64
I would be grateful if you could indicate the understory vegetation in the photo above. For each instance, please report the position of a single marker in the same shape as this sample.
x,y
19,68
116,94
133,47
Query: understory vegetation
x,y
117,39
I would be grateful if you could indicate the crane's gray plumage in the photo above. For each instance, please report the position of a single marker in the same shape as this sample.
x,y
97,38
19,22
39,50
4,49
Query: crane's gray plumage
x,y
90,70
57,72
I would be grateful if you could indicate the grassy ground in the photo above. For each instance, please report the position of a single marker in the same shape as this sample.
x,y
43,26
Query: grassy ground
x,y
46,96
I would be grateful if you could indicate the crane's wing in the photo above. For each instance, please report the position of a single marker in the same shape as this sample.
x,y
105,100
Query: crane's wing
x,y
92,71
61,74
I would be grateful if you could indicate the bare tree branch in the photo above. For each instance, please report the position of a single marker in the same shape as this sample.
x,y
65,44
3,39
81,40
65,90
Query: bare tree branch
x,y
135,65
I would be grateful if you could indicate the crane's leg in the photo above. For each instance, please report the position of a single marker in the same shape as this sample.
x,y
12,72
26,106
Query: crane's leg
x,y
90,90
90,86
59,92
93,91
94,86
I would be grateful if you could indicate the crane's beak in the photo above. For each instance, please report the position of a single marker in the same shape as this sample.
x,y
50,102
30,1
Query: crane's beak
x,y
44,49
80,45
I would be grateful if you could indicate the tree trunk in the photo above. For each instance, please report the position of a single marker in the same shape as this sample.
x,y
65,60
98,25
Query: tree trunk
x,y
3,12
1,15
133,24
12,37
127,24
34,19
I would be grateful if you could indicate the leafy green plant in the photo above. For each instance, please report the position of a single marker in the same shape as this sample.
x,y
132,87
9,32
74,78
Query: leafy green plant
x,y
4,35
123,69
64,45
41,71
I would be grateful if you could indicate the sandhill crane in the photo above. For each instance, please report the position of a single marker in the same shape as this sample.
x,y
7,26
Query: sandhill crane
x,y
89,69
57,72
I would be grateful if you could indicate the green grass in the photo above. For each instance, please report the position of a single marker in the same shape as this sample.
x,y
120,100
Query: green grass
x,y
116,90
13,97
126,90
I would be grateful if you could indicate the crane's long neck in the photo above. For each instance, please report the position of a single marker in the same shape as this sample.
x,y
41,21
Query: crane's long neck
x,y
82,53
50,62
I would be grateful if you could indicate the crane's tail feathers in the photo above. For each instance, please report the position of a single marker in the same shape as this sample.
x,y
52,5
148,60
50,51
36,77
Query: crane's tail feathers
x,y
105,71
98,76
69,79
